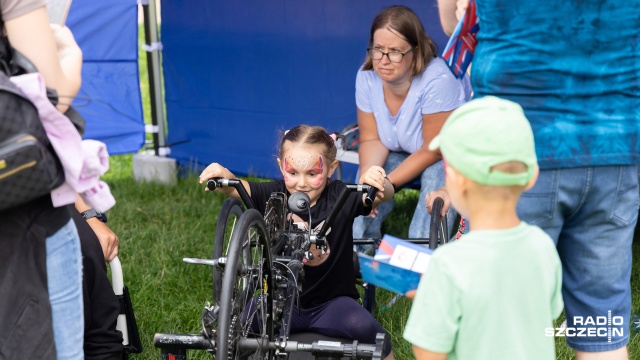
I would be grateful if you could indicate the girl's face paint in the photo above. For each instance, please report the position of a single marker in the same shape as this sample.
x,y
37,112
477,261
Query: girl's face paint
x,y
318,168
303,170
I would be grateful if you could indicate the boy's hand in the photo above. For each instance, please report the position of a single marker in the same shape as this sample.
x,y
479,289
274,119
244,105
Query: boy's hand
x,y
375,176
440,193
411,294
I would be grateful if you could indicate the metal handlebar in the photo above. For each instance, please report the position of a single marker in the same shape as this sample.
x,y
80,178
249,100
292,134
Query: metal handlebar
x,y
215,183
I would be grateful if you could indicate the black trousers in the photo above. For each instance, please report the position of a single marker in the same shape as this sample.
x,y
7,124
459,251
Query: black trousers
x,y
101,306
26,328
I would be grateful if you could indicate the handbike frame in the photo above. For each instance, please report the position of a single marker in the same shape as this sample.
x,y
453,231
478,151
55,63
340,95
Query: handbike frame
x,y
288,247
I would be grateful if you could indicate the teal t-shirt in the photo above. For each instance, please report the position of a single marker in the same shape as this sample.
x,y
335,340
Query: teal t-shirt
x,y
489,295
574,66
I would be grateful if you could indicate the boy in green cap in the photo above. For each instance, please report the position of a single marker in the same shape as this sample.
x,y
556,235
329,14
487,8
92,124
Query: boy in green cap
x,y
494,293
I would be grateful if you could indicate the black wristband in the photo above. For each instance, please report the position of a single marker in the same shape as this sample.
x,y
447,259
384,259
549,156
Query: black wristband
x,y
93,213
395,189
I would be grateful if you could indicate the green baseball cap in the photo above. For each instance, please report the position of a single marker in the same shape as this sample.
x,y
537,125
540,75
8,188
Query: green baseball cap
x,y
486,132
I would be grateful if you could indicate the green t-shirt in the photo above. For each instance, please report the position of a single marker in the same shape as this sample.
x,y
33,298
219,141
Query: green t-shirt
x,y
489,295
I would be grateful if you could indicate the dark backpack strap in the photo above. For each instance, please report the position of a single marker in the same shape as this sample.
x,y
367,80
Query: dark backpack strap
x,y
5,55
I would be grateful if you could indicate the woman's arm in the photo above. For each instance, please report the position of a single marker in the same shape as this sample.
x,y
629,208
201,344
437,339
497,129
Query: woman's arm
x,y
216,170
417,162
108,239
371,151
451,11
53,52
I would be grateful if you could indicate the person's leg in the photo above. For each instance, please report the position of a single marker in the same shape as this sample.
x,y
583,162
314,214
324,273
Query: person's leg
x,y
370,226
432,178
595,248
542,206
101,306
64,274
343,317
26,330
591,214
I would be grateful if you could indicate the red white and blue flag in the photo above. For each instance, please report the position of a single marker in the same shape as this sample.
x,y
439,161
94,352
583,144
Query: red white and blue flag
x,y
459,50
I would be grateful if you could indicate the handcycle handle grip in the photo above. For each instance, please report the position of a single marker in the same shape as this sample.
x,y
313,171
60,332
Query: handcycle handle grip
x,y
371,195
215,183
212,184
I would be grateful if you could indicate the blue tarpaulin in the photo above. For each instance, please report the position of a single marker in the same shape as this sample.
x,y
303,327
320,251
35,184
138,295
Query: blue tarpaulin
x,y
238,73
109,99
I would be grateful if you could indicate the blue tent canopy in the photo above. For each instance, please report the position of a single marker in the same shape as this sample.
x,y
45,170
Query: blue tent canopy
x,y
109,99
239,73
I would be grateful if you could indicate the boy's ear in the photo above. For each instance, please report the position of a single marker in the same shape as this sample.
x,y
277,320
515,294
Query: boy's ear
x,y
534,178
333,167
453,176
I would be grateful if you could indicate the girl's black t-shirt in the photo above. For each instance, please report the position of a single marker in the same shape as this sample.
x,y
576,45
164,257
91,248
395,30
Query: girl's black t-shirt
x,y
335,276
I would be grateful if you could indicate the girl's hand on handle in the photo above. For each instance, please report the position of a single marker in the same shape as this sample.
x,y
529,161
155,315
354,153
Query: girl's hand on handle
x,y
375,176
440,193
215,170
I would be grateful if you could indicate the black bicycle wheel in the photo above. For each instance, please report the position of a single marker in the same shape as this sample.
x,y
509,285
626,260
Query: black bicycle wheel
x,y
438,232
229,214
245,322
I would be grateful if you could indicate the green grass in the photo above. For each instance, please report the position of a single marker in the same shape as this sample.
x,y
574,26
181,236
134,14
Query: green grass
x,y
159,225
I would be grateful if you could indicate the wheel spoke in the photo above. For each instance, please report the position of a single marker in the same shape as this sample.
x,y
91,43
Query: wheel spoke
x,y
245,308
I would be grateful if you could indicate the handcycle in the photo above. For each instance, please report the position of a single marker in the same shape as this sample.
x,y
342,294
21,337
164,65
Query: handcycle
x,y
257,277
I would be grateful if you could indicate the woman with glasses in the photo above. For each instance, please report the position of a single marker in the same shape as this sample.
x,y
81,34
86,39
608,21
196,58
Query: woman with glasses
x,y
404,93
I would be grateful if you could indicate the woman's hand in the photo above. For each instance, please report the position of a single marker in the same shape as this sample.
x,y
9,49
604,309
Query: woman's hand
x,y
461,7
440,193
70,57
65,42
108,239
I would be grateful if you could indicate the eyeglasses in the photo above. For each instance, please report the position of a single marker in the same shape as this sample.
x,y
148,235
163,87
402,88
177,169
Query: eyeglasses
x,y
393,56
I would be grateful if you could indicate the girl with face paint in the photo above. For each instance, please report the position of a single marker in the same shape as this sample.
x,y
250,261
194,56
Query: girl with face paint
x,y
307,160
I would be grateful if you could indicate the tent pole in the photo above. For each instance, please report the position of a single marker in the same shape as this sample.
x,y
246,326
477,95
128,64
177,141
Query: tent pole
x,y
153,48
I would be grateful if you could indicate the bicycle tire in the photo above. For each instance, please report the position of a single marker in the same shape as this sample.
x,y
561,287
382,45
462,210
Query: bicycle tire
x,y
247,280
231,211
